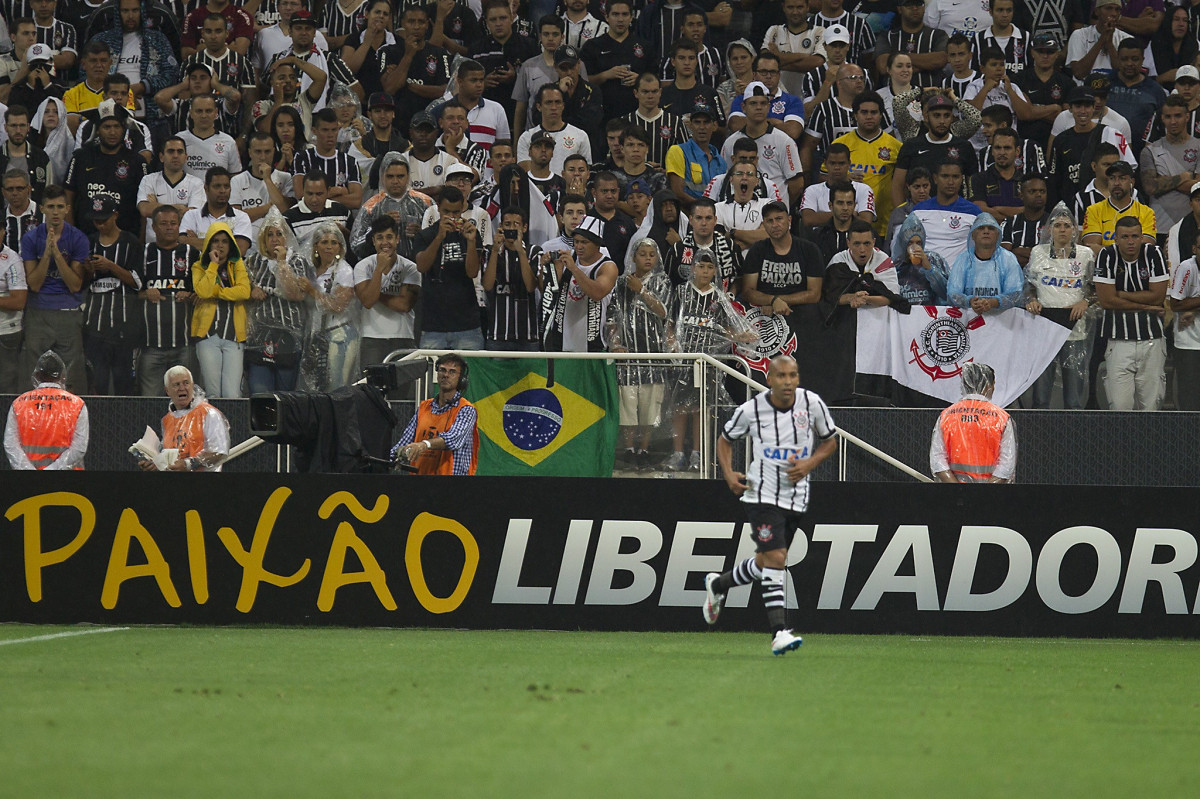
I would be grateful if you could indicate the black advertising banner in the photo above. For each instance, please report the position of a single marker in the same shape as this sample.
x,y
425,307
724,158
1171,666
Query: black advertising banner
x,y
506,552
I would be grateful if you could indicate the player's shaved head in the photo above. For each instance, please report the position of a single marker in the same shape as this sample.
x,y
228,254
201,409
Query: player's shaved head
x,y
782,360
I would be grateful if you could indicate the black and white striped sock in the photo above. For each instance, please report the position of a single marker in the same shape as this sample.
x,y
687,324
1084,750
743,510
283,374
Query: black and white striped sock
x,y
773,583
742,574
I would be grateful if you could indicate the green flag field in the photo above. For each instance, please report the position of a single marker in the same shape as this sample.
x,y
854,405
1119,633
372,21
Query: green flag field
x,y
330,712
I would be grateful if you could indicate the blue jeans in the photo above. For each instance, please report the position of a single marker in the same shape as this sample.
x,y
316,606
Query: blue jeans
x,y
220,365
452,340
269,379
1072,361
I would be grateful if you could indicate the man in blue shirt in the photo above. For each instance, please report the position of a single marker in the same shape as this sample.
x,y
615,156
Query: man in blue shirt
x,y
1132,94
691,166
986,277
786,111
54,253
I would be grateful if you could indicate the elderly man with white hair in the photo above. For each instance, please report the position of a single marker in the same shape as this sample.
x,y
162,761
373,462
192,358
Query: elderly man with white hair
x,y
192,426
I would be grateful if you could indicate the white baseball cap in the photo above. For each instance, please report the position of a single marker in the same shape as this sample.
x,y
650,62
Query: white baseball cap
x,y
39,52
756,89
836,33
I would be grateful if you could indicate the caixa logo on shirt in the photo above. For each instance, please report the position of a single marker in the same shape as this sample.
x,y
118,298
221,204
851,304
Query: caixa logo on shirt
x,y
784,453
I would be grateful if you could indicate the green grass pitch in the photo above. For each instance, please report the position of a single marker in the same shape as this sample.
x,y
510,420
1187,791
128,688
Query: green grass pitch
x,y
221,712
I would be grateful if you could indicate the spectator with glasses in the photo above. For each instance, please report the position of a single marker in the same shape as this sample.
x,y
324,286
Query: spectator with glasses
x,y
785,111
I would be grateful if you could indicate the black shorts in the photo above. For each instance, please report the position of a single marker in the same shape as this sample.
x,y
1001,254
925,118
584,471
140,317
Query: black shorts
x,y
771,526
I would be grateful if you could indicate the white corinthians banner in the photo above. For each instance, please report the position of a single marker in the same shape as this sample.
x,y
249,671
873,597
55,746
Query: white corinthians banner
x,y
925,350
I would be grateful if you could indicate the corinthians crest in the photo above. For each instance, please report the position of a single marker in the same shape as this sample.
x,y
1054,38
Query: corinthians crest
x,y
940,349
774,338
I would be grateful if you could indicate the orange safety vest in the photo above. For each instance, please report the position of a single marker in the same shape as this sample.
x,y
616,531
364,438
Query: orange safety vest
x,y
431,425
46,419
185,433
972,430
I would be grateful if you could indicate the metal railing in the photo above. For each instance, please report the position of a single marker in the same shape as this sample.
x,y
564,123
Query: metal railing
x,y
708,402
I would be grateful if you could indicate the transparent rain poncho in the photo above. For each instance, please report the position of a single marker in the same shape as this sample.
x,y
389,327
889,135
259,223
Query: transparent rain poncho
x,y
331,354
637,316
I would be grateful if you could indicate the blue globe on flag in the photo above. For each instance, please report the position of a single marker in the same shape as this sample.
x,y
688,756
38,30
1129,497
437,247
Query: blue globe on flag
x,y
532,418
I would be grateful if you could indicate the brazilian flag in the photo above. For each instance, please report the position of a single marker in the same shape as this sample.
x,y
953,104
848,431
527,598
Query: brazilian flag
x,y
560,421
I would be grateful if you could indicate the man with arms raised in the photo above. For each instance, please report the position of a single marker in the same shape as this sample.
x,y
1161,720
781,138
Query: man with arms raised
x,y
775,488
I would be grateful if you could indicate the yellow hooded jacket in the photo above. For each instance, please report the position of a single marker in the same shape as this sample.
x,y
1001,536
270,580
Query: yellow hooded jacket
x,y
209,290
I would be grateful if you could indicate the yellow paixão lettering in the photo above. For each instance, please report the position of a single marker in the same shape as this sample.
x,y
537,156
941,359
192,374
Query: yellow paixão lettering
x,y
345,538
423,525
128,528
35,558
251,560
197,559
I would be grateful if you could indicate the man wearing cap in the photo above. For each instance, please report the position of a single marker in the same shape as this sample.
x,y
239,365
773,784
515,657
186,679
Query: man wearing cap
x,y
1169,166
974,440
542,154
272,40
784,111
113,321
924,44
303,32
1099,224
426,163
1073,147
109,170
412,70
237,28
862,38
564,139
691,166
1046,86
934,146
47,427
1187,86
54,253
818,84
582,104
38,83
1097,86
586,281
137,135
797,45
778,156
1094,48
384,136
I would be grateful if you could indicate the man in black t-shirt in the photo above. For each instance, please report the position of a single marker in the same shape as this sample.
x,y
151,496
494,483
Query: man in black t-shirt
x,y
107,168
615,60
501,50
166,286
932,148
448,256
413,71
1044,85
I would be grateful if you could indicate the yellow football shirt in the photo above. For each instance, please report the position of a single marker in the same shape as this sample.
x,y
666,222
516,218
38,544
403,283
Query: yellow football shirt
x,y
875,160
1101,219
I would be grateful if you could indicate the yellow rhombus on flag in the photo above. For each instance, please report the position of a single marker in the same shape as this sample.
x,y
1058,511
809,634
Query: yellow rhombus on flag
x,y
578,414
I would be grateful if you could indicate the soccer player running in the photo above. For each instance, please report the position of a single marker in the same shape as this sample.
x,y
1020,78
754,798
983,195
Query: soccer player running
x,y
784,423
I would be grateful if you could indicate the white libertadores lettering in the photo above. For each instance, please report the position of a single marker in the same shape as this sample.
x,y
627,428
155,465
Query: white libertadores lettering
x,y
622,573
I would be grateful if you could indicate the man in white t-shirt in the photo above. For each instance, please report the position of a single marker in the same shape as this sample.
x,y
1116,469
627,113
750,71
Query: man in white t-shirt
x,y
778,155
273,40
568,139
207,147
387,284
13,291
252,192
171,186
815,208
427,164
1183,298
741,215
1094,48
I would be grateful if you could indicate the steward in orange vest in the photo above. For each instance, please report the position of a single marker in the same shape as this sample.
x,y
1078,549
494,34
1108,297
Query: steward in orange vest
x,y
47,427
974,440
192,426
442,438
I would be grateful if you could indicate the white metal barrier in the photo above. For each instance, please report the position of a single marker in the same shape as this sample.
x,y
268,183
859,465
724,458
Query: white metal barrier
x,y
700,362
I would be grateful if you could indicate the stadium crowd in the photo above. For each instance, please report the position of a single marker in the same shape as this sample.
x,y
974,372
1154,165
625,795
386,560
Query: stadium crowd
x,y
278,191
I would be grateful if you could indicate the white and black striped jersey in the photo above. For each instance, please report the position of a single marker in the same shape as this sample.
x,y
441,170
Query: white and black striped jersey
x,y
60,36
277,310
231,69
668,31
1020,231
926,40
1016,50
336,22
580,33
776,436
13,10
1150,267
664,132
862,38
959,85
1031,158
829,120
710,68
15,227
168,323
111,309
512,308
340,168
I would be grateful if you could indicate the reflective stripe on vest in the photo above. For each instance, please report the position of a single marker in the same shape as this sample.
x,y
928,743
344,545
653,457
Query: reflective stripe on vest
x,y
431,425
972,431
46,419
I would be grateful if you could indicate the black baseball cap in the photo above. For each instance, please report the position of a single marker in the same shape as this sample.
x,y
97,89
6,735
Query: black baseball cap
x,y
1098,83
303,17
703,108
564,54
1119,168
542,137
1081,95
422,119
102,208
381,100
1046,40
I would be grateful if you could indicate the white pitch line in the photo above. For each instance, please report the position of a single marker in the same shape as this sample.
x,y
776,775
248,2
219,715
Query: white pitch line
x,y
52,636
